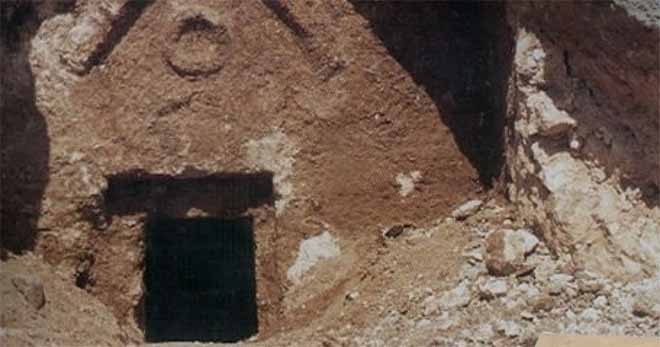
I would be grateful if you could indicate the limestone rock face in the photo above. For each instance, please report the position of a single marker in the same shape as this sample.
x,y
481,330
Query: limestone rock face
x,y
107,95
583,150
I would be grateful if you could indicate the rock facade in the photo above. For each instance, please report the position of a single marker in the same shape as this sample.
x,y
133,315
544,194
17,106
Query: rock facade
x,y
118,95
583,142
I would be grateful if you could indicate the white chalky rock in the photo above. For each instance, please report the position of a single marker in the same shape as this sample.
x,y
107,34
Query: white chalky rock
x,y
457,297
493,288
312,250
509,328
407,182
506,250
560,282
484,333
527,239
467,209
590,315
600,302
551,120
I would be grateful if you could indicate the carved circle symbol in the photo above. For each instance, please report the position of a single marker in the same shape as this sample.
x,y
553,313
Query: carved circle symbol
x,y
198,47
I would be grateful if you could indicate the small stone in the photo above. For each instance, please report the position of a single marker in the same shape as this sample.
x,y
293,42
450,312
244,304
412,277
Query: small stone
x,y
545,267
445,322
467,209
645,309
457,297
32,289
431,305
559,283
509,328
528,240
575,144
588,275
538,54
511,303
554,290
590,286
543,303
506,250
571,292
493,288
131,223
471,271
352,296
474,255
600,302
563,279
528,290
527,315
396,230
484,333
570,315
550,120
590,315
646,296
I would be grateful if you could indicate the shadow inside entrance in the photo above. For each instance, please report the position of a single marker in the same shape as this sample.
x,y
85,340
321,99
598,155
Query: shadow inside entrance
x,y
200,280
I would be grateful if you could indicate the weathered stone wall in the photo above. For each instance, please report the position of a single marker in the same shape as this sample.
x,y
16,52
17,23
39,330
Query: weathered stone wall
x,y
366,115
184,90
583,149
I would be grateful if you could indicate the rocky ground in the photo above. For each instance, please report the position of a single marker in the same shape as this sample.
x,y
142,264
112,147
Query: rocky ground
x,y
485,280
509,289
40,307
476,278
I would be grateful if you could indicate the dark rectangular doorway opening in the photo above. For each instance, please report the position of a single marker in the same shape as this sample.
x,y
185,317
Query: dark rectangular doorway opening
x,y
200,280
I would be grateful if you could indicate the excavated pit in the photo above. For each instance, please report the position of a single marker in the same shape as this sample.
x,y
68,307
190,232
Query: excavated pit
x,y
361,115
197,256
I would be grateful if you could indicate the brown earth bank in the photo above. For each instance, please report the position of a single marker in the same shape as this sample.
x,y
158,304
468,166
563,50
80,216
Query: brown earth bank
x,y
290,172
